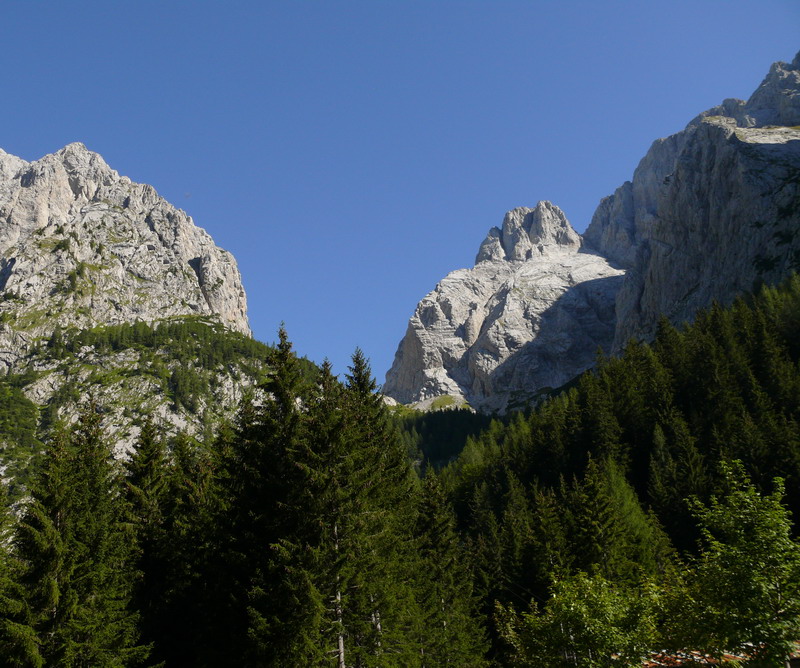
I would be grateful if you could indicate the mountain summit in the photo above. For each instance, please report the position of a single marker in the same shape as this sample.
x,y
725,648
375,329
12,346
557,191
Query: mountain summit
x,y
82,246
527,317
712,212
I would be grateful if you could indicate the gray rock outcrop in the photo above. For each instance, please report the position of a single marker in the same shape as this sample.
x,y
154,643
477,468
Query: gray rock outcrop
x,y
529,316
712,212
81,245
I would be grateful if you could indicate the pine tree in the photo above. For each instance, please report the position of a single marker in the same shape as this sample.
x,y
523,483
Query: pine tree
x,y
146,481
485,550
598,535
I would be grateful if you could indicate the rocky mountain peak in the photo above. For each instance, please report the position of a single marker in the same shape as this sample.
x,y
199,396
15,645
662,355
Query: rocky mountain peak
x,y
776,101
82,163
528,232
10,165
82,246
711,212
529,315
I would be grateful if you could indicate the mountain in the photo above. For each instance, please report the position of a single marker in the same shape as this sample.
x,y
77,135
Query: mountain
x,y
528,316
108,291
81,245
712,212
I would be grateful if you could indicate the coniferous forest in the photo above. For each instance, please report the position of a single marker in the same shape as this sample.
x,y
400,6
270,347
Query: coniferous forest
x,y
647,510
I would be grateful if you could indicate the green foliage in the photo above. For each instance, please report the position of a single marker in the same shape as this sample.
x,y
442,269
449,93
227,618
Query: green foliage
x,y
320,503
18,416
743,591
617,539
76,566
19,645
19,444
62,245
595,479
587,622
302,536
450,626
174,509
183,356
437,437
145,488
440,403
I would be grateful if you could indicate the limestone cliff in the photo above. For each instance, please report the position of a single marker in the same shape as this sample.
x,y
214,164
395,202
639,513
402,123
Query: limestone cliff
x,y
529,316
711,212
81,245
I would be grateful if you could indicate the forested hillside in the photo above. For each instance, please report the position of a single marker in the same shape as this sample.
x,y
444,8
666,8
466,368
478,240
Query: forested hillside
x,y
300,535
623,489
648,508
187,374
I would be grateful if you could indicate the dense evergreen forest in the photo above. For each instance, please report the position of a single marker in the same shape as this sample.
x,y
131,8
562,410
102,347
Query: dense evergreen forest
x,y
646,509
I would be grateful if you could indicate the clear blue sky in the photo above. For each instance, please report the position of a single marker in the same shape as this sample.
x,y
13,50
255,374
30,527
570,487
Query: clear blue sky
x,y
350,154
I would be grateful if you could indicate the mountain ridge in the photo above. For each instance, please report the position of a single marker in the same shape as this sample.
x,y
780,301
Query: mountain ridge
x,y
711,212
107,290
82,246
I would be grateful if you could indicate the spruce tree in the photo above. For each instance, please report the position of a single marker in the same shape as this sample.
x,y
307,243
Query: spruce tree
x,y
450,630
383,608
601,432
516,538
677,471
146,480
318,502
255,476
19,644
190,618
612,534
308,560
75,548
551,556
484,550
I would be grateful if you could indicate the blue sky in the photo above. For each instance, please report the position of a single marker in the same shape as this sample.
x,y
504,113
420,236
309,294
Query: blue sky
x,y
350,154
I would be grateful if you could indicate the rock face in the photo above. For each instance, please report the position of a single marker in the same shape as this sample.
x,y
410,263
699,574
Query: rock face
x,y
711,212
81,245
527,317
